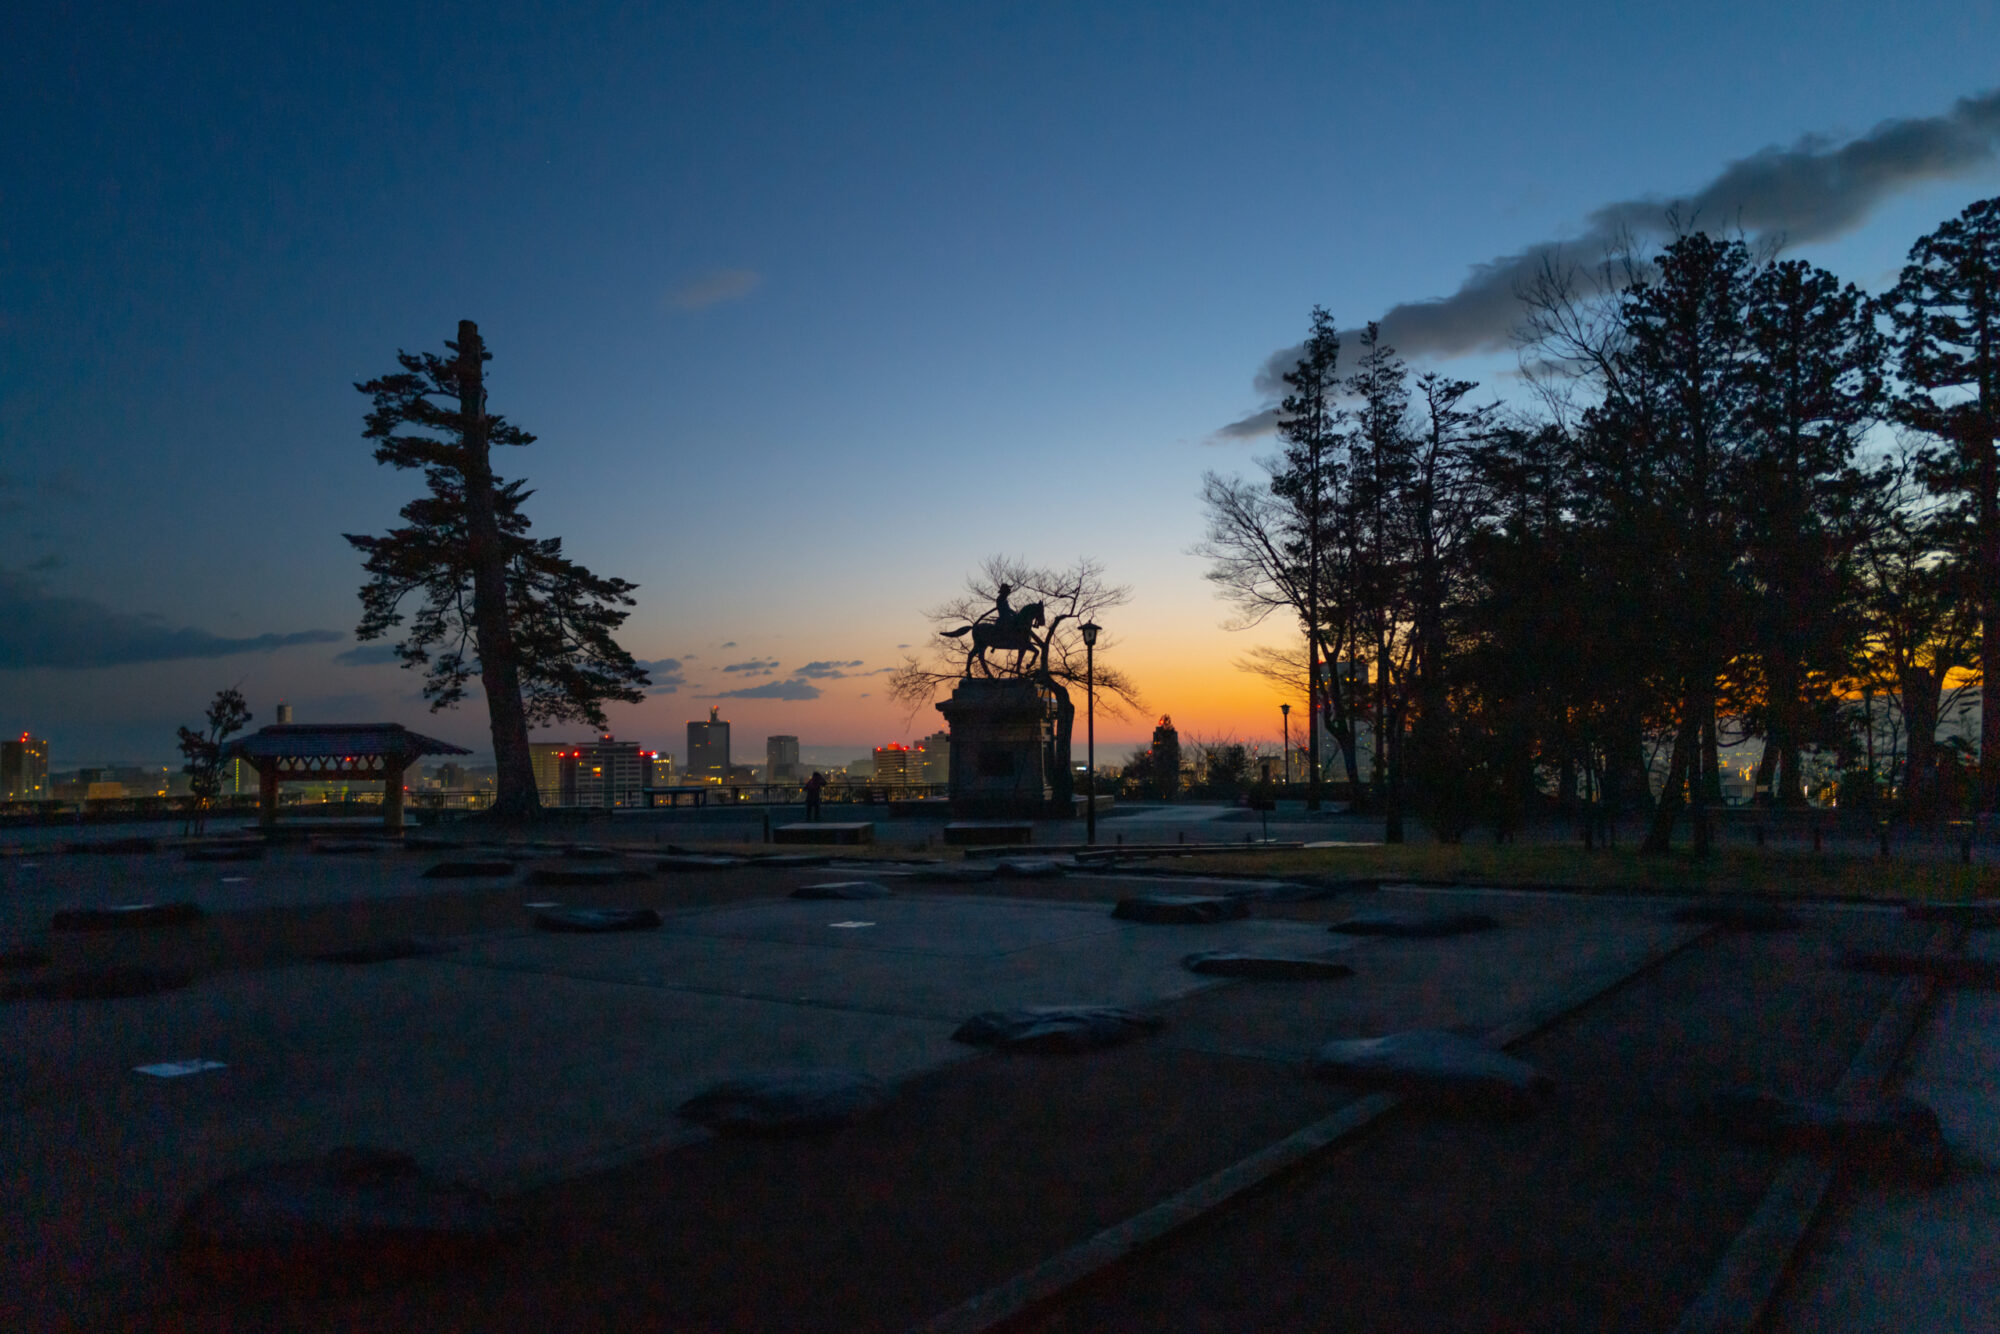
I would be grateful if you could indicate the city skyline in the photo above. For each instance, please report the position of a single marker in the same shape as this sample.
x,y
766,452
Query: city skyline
x,y
814,313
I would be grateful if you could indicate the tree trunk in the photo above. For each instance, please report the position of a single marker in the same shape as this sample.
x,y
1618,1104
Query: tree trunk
x,y
1763,793
515,795
1989,628
1660,837
1791,775
1392,796
1314,687
1711,758
1921,691
1706,794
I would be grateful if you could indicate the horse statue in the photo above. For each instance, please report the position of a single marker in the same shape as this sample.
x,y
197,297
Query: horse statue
x,y
1009,629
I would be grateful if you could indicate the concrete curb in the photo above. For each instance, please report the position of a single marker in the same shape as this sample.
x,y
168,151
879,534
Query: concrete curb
x,y
1740,1289
1033,1287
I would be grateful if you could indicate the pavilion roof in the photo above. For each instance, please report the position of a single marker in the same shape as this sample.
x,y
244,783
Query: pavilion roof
x,y
313,740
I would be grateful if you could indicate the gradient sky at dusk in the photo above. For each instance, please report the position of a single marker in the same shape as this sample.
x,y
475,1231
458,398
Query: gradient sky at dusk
x,y
814,307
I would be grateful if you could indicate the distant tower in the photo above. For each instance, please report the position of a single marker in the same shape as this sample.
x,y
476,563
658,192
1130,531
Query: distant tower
x,y
708,749
781,759
284,713
937,757
24,769
897,765
1166,758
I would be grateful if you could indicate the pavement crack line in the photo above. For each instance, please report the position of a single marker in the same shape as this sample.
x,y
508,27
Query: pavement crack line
x,y
1043,1283
1740,1289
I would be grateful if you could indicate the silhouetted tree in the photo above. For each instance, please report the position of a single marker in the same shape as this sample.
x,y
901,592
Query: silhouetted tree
x,y
227,714
535,627
1270,546
1672,418
1920,620
1946,312
1813,369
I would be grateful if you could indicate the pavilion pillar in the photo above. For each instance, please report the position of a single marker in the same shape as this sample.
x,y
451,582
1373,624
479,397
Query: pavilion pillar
x,y
267,794
392,794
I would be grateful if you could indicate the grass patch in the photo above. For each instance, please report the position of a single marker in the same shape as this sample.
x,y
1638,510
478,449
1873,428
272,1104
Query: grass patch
x,y
1745,871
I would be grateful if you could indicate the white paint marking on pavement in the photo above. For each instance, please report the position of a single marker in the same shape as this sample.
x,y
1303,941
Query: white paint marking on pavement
x,y
547,903
174,1069
848,926
234,879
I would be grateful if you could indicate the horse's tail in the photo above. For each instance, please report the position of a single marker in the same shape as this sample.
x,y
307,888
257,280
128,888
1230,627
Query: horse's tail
x,y
953,634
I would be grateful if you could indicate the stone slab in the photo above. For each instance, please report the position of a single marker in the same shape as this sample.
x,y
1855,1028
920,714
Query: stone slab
x,y
980,833
819,831
936,958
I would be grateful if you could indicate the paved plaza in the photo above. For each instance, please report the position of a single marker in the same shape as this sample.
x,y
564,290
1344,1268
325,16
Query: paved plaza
x,y
546,1069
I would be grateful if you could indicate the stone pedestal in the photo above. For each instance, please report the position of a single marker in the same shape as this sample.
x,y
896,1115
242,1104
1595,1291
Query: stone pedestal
x,y
1001,732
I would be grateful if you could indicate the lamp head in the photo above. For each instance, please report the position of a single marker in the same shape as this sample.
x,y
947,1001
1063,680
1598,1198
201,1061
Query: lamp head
x,y
1089,629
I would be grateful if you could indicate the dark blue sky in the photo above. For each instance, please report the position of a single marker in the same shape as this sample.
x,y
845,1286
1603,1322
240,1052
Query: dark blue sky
x,y
812,308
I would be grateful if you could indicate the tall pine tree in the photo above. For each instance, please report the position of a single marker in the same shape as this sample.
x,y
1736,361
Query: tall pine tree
x,y
495,603
1946,311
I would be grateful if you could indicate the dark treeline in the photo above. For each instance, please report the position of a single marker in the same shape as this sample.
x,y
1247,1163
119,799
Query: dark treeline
x,y
1754,502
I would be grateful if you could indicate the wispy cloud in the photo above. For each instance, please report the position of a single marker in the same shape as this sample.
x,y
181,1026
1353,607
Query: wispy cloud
x,y
367,655
715,287
43,629
666,673
793,689
756,666
829,671
1814,190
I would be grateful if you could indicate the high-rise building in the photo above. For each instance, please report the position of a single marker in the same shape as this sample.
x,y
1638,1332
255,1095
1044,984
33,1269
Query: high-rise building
x,y
1166,758
897,765
708,749
936,749
663,770
24,769
781,759
545,757
603,772
284,713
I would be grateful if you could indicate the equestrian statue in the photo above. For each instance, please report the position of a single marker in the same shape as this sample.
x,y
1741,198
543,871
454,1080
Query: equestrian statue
x,y
1008,628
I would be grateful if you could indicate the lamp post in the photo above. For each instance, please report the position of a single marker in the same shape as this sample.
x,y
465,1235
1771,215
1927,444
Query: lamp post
x,y
1090,629
1285,710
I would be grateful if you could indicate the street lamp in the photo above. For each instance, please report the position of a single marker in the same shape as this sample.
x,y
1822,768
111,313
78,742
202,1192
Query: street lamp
x,y
1286,711
1090,629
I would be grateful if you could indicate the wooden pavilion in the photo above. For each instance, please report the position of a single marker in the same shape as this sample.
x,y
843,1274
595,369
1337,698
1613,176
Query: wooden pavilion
x,y
332,753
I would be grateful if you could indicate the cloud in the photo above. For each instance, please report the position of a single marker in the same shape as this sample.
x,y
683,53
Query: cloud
x,y
828,671
1252,426
367,655
41,629
666,674
756,666
1814,190
728,643
715,287
794,689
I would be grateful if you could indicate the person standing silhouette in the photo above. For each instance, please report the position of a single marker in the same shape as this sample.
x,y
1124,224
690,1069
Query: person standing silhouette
x,y
813,785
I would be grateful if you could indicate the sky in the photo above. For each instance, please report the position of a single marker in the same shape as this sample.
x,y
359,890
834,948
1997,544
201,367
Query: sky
x,y
812,308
